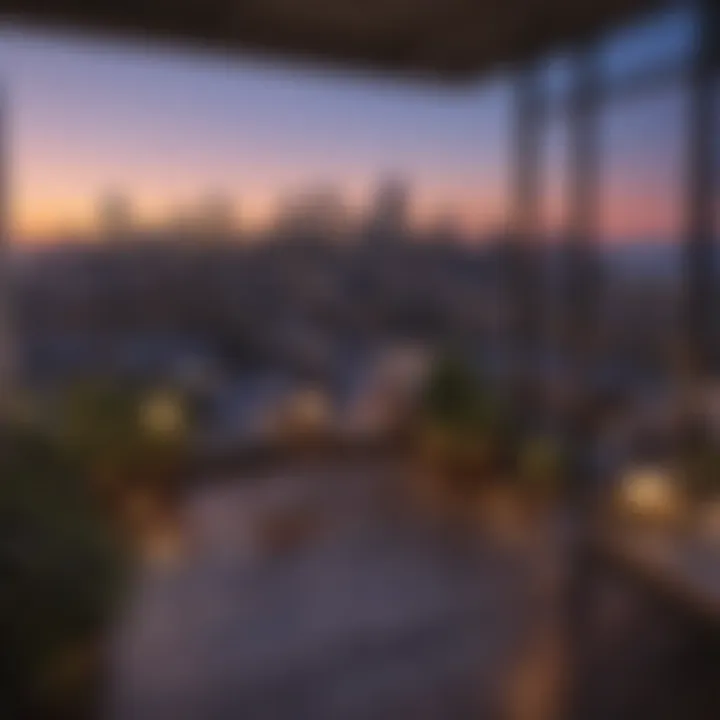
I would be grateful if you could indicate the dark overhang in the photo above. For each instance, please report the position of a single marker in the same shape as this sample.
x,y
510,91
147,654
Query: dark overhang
x,y
448,39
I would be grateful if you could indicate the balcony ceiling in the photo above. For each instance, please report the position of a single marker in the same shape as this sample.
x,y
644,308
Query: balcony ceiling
x,y
446,39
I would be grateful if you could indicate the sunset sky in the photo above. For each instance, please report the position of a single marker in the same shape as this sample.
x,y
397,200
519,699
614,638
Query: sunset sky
x,y
166,128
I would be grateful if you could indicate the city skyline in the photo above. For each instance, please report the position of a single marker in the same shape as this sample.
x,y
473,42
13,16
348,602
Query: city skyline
x,y
165,127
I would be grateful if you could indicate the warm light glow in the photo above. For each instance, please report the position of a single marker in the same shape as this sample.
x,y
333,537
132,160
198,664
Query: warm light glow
x,y
162,415
650,492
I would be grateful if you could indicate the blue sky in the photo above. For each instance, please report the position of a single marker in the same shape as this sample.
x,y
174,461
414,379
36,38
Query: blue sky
x,y
166,127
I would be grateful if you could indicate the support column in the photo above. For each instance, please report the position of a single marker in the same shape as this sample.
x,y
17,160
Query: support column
x,y
582,316
525,300
7,346
582,267
582,271
700,274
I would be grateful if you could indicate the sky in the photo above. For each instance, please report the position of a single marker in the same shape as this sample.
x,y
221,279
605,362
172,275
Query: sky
x,y
166,128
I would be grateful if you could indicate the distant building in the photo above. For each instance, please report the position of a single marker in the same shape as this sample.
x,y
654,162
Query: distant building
x,y
318,214
444,230
212,218
266,410
115,217
178,225
386,392
389,215
215,217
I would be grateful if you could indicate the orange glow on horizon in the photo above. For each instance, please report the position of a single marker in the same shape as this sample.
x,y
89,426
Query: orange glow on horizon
x,y
44,220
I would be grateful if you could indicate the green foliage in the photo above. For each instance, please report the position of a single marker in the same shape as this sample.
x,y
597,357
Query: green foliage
x,y
64,547
61,571
540,466
463,428
467,435
455,398
104,431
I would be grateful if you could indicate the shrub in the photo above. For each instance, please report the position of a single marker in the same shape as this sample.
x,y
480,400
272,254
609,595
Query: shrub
x,y
122,437
540,467
461,424
60,575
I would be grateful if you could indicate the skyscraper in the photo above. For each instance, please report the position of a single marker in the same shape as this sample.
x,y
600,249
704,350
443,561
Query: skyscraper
x,y
115,217
318,214
388,221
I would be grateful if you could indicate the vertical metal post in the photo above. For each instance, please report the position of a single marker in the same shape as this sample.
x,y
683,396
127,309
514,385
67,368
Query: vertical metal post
x,y
524,281
700,273
582,268
582,324
7,349
582,255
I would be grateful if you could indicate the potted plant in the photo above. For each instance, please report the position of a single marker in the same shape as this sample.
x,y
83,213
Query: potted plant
x,y
460,438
